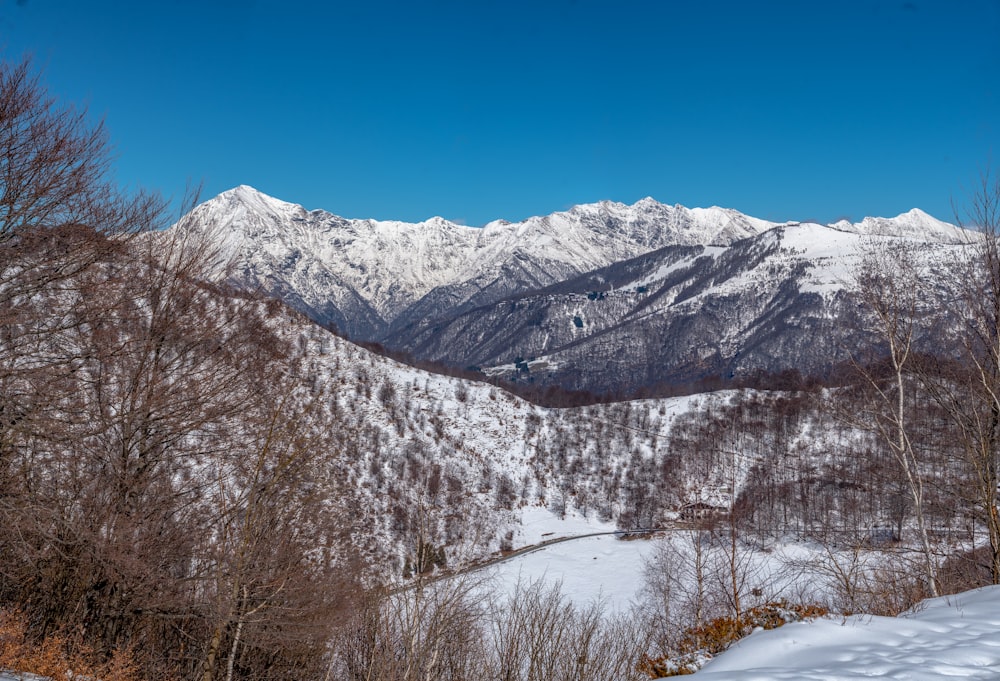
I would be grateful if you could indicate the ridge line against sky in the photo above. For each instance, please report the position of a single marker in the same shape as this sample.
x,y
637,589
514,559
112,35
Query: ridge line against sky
x,y
483,111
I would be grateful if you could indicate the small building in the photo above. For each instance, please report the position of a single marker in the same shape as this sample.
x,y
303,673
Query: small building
x,y
880,535
700,510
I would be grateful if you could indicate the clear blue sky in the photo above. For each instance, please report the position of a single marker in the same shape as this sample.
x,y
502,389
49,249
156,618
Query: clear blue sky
x,y
476,110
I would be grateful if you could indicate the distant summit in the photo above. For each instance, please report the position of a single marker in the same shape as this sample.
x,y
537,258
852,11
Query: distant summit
x,y
914,224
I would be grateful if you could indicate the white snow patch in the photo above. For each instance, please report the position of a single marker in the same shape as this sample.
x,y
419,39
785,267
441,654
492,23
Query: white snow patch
x,y
666,270
949,637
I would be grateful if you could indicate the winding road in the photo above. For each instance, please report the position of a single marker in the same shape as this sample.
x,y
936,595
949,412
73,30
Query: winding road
x,y
540,546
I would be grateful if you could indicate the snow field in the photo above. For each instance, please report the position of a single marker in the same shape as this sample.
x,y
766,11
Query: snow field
x,y
949,637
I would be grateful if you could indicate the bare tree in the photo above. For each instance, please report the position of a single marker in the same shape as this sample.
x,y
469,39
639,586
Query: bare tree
x,y
274,584
432,631
60,213
539,635
59,207
969,390
888,282
55,166
167,475
676,591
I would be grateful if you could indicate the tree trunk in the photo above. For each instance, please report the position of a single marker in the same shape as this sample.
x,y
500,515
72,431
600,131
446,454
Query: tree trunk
x,y
213,651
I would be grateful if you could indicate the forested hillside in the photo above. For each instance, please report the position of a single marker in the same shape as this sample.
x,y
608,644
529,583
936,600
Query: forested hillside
x,y
198,482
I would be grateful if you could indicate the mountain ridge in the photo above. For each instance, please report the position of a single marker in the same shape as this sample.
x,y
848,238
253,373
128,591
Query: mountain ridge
x,y
251,195
393,264
601,297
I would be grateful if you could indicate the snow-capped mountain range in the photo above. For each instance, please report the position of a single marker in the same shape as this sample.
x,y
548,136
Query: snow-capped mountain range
x,y
391,265
602,296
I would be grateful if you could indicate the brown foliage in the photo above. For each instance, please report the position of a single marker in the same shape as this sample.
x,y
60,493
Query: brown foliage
x,y
58,656
713,637
160,486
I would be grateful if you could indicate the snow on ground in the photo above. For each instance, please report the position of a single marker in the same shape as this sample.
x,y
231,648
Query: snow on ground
x,y
611,569
604,569
588,569
666,270
949,637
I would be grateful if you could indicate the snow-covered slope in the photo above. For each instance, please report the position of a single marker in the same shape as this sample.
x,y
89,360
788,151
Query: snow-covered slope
x,y
948,637
464,458
771,302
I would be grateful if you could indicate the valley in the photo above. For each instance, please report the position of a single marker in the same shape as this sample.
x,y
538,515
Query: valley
x,y
236,446
561,341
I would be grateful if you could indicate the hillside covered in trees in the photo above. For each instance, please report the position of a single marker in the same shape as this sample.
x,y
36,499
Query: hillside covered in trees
x,y
198,482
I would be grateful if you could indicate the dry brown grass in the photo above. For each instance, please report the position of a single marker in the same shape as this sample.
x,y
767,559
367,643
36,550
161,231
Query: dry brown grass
x,y
700,643
58,657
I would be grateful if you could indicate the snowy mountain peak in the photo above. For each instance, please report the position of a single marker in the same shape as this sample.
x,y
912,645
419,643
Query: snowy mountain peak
x,y
915,213
255,199
386,266
370,277
913,224
244,190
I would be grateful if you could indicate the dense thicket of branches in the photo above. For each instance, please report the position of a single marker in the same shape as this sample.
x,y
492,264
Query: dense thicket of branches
x,y
454,631
161,486
55,166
